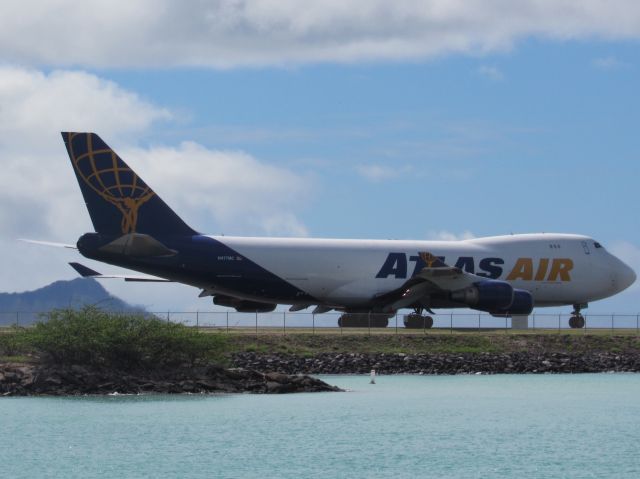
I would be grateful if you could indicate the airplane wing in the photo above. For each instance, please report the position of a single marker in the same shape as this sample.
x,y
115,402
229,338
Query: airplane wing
x,y
48,243
435,277
87,272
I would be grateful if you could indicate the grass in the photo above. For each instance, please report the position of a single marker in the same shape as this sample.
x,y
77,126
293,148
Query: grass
x,y
18,358
94,337
306,344
269,330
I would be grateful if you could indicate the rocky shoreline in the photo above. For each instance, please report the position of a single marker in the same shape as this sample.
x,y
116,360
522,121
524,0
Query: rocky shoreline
x,y
41,380
277,373
441,363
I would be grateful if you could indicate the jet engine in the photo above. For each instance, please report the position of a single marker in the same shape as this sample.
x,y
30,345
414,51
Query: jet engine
x,y
489,295
522,304
243,305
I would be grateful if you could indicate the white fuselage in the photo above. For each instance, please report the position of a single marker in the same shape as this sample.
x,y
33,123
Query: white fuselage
x,y
557,269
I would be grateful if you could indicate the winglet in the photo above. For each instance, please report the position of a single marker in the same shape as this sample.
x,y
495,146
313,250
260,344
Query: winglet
x,y
432,261
436,267
84,271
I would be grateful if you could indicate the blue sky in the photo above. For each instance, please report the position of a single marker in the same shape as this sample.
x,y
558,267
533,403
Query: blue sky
x,y
467,122
541,138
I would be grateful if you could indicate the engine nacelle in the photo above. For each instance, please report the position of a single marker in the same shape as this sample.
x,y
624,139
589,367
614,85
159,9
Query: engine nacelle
x,y
243,305
489,295
522,304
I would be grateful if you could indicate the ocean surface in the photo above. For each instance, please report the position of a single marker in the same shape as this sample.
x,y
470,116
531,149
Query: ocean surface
x,y
504,426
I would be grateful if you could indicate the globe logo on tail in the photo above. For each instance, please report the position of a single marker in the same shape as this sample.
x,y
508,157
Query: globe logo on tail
x,y
109,177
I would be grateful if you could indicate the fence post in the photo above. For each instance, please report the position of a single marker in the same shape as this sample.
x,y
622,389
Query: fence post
x,y
613,315
197,319
284,323
256,325
396,323
479,322
559,315
227,321
451,323
369,321
168,316
313,324
17,319
534,321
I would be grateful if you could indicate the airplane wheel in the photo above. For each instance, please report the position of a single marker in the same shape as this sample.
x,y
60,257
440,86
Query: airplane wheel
x,y
576,322
428,322
417,321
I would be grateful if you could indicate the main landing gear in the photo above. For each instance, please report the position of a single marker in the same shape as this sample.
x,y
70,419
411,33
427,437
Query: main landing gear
x,y
576,321
417,320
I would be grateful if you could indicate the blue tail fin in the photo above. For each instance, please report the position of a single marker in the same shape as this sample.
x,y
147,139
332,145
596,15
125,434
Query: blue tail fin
x,y
119,202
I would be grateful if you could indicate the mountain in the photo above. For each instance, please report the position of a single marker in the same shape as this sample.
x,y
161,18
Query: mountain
x,y
26,307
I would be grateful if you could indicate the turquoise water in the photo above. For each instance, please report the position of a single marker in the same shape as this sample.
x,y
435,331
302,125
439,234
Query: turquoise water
x,y
548,426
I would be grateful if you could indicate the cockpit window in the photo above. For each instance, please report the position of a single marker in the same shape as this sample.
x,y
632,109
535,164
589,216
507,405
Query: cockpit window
x,y
597,245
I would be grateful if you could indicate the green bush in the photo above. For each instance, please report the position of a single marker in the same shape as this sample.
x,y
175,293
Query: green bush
x,y
124,341
12,342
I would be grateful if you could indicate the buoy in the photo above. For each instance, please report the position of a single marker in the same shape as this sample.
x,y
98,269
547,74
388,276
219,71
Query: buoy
x,y
373,376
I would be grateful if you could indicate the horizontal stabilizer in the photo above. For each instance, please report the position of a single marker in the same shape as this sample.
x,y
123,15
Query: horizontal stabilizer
x,y
87,272
83,270
49,243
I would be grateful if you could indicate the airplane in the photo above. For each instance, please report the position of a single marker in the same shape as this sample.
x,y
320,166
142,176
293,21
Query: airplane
x,y
500,275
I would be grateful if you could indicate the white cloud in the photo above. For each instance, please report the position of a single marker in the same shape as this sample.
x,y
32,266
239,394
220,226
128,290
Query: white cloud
x,y
38,194
608,63
377,173
229,190
491,73
40,199
34,103
223,34
444,235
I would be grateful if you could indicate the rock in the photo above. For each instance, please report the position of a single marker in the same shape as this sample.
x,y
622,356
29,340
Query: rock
x,y
53,381
441,363
273,387
277,377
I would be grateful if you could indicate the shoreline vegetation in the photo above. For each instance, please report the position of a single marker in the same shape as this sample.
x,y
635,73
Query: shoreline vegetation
x,y
94,352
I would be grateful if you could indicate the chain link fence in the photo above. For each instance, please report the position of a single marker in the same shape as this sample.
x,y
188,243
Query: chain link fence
x,y
255,323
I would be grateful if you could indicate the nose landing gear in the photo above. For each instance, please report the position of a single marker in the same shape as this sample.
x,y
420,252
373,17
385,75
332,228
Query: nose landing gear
x,y
576,321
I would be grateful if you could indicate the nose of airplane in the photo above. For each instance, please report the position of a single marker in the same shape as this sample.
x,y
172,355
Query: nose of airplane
x,y
624,276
